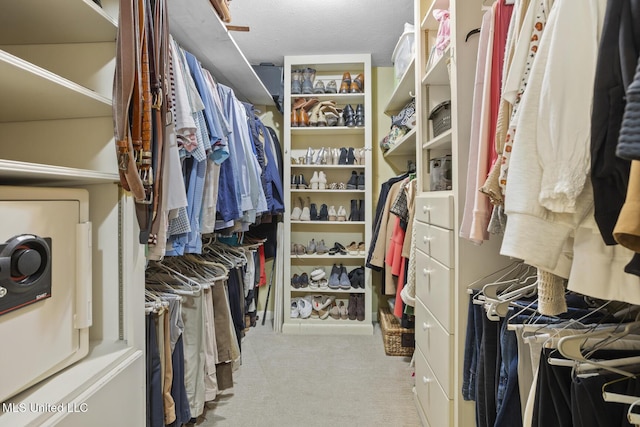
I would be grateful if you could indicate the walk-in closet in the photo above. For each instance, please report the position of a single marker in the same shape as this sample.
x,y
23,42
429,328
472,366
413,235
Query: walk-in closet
x,y
240,212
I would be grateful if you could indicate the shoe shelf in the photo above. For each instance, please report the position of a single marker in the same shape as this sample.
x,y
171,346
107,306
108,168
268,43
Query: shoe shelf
x,y
297,142
327,130
404,91
340,98
440,142
328,291
328,167
308,190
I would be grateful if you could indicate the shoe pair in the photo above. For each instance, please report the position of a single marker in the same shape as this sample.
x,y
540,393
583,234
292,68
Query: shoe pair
x,y
356,182
353,118
301,307
319,180
337,249
302,212
355,248
340,215
356,307
330,87
356,276
301,281
339,279
357,210
352,86
298,249
339,311
298,182
302,81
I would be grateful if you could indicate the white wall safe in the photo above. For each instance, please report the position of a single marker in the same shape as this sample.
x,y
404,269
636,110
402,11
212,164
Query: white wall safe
x,y
45,283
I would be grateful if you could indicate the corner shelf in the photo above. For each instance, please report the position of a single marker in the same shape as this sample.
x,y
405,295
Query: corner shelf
x,y
196,27
440,142
438,75
406,146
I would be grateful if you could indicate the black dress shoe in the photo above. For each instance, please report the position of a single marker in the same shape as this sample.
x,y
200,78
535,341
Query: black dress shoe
x,y
313,212
324,213
352,184
349,116
359,119
351,157
343,156
361,181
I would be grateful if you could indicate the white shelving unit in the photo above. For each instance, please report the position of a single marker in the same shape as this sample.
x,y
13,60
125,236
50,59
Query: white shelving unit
x,y
296,142
445,263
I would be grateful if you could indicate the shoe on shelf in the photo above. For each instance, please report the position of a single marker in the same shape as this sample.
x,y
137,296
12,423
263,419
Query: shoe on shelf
x,y
296,213
343,310
314,180
333,216
352,184
359,155
304,280
345,86
309,156
323,284
361,248
313,285
321,302
294,181
295,281
361,210
345,283
318,87
318,273
351,309
298,249
294,309
305,215
360,309
334,277
335,156
296,81
337,249
349,116
351,157
308,76
321,248
324,213
331,87
354,215
320,159
311,247
334,312
304,308
331,118
359,115
357,84
322,181
302,183
352,248
361,181
342,214
322,119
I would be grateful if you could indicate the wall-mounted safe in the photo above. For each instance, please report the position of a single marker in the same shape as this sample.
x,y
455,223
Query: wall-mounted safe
x,y
45,283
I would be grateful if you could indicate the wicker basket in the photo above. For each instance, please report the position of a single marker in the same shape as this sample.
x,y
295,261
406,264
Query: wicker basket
x,y
441,118
397,341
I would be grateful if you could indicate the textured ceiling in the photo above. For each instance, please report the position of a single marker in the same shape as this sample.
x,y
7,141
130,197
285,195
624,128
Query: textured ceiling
x,y
310,27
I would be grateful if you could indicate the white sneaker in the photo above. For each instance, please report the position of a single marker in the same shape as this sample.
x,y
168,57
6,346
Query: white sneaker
x,y
304,308
322,181
321,302
294,308
314,284
314,181
318,273
295,214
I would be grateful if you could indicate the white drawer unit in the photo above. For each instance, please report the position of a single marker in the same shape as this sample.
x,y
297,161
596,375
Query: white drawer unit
x,y
436,289
436,345
437,408
422,237
435,208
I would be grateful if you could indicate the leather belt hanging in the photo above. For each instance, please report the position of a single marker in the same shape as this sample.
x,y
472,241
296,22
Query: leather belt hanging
x,y
138,104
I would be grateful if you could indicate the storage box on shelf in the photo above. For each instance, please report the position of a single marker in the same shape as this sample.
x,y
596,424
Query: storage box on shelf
x,y
316,179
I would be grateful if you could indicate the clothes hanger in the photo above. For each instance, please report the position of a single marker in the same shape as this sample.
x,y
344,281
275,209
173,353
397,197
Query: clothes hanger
x,y
190,286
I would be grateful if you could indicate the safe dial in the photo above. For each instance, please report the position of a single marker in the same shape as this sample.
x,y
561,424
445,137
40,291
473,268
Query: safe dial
x,y
23,261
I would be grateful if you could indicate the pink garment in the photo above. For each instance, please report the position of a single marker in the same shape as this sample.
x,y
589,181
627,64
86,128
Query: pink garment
x,y
444,31
472,219
398,309
502,18
394,258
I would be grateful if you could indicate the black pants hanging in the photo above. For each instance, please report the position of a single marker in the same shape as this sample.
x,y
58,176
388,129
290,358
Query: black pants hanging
x,y
155,406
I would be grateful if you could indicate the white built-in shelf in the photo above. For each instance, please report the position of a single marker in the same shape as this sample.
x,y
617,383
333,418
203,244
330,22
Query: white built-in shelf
x,y
33,93
438,75
327,256
328,291
308,190
404,91
429,23
196,27
406,146
327,166
56,22
440,142
13,172
340,98
327,130
341,223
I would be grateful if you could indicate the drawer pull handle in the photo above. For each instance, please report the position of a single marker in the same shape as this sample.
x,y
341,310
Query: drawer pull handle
x,y
426,239
425,326
426,209
426,380
425,271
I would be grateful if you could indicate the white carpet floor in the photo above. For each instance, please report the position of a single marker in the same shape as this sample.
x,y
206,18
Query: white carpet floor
x,y
303,380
